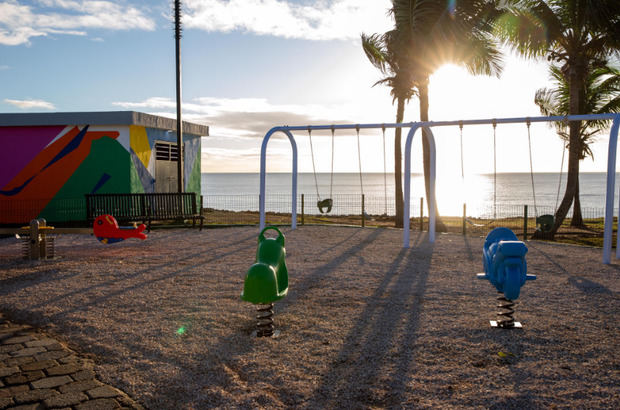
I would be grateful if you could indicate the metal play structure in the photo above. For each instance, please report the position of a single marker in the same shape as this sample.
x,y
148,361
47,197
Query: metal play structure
x,y
428,126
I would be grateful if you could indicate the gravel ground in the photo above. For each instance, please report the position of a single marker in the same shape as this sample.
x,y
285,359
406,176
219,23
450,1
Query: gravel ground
x,y
366,323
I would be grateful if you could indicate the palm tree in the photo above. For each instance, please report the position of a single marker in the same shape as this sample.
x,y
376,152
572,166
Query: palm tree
x,y
428,34
602,96
579,36
381,50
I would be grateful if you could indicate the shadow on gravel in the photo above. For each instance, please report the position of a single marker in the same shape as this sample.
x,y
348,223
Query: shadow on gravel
x,y
384,334
203,259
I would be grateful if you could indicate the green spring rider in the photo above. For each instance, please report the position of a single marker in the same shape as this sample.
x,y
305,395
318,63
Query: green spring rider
x,y
266,281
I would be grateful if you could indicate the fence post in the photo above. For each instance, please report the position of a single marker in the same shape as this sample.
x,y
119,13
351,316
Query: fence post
x,y
302,209
464,219
421,214
363,213
524,222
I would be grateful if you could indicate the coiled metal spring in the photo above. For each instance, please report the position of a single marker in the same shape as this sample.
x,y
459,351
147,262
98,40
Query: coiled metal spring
x,y
264,320
505,319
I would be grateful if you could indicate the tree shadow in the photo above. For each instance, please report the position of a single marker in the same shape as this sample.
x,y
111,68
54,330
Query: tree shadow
x,y
321,272
596,295
584,285
384,334
37,279
470,254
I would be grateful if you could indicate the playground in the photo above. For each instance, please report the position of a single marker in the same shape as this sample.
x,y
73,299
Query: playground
x,y
366,322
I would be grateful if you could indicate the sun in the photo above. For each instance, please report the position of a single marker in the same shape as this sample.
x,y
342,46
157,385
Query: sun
x,y
451,91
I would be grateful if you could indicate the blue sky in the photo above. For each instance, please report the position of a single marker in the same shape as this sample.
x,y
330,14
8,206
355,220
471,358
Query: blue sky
x,y
249,65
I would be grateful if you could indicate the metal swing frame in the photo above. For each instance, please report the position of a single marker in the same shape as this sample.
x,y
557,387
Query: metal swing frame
x,y
428,125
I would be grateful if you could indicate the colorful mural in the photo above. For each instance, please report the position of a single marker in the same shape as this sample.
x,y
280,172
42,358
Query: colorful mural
x,y
46,170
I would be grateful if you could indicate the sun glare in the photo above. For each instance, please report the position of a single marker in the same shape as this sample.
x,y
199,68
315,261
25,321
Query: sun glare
x,y
449,89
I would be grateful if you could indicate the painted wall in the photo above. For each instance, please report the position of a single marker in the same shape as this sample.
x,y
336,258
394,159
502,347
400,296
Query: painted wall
x,y
45,171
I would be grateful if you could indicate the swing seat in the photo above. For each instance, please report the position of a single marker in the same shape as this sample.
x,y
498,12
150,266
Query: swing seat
x,y
325,203
544,223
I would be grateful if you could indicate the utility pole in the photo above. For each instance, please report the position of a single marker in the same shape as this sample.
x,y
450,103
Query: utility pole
x,y
177,37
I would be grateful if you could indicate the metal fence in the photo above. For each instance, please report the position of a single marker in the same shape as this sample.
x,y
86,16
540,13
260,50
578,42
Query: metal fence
x,y
364,210
358,210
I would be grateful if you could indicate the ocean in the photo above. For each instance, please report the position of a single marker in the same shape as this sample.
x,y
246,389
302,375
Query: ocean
x,y
477,191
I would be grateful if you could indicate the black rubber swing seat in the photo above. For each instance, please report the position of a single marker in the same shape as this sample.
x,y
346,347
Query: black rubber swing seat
x,y
545,223
325,203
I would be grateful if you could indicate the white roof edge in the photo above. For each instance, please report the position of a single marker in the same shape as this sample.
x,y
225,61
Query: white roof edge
x,y
99,118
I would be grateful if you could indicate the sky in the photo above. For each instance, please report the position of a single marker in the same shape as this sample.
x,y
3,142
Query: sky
x,y
249,65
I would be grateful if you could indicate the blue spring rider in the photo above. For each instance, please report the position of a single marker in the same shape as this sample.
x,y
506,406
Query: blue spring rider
x,y
503,256
267,280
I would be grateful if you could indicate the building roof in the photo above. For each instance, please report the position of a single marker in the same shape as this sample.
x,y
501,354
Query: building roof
x,y
99,118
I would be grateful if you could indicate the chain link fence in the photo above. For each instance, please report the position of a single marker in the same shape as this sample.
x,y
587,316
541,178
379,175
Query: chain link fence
x,y
347,209
362,210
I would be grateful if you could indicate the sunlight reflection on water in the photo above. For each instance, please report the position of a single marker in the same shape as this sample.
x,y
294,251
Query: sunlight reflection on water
x,y
477,190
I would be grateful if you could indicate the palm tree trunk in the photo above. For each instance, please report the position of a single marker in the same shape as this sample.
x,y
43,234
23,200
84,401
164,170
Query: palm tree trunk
x,y
576,84
423,95
571,185
577,220
398,182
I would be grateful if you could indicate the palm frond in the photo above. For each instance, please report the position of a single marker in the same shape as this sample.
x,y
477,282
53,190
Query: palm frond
x,y
374,49
483,56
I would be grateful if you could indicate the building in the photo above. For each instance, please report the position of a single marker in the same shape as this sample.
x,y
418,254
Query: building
x,y
49,161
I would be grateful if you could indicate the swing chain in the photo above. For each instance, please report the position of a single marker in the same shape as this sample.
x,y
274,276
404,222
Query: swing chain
x,y
461,139
316,182
529,142
494,169
557,195
359,157
331,176
384,173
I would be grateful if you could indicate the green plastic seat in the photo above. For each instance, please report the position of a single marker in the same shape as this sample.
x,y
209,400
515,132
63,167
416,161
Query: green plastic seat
x,y
267,280
545,223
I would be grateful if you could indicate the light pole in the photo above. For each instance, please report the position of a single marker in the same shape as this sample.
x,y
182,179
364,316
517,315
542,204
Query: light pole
x,y
177,38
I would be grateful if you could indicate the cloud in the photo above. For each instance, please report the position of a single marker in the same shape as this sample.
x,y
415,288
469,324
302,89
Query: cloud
x,y
320,20
19,23
28,104
238,125
240,118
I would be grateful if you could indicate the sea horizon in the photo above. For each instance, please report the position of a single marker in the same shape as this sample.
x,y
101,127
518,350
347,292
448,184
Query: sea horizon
x,y
483,193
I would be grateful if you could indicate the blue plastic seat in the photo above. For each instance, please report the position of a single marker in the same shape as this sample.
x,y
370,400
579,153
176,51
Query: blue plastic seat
x,y
503,257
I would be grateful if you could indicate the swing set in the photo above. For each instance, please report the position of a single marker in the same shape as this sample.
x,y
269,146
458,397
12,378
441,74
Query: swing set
x,y
545,222
428,126
325,205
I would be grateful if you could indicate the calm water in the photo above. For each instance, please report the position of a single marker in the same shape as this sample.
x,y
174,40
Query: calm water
x,y
512,189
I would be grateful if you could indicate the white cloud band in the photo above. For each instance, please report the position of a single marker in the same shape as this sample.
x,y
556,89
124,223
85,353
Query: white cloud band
x,y
28,104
